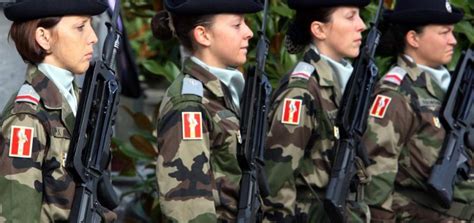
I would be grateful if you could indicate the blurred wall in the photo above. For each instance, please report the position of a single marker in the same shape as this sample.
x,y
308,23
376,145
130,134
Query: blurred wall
x,y
12,66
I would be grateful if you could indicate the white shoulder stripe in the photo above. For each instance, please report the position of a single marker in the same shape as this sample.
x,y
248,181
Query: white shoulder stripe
x,y
303,70
27,94
395,75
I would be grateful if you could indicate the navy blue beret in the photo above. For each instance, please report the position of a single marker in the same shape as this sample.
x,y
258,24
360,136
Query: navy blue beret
x,y
423,12
34,9
201,7
308,4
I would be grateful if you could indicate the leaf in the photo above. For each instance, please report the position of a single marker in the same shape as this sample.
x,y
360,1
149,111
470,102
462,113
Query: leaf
x,y
168,69
140,119
122,163
143,145
467,29
131,152
282,10
461,4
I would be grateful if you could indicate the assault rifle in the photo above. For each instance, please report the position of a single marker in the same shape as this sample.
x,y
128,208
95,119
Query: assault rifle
x,y
253,184
457,117
351,123
89,151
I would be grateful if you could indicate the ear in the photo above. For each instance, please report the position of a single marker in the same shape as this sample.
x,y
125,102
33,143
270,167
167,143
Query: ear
x,y
202,36
43,38
318,30
412,38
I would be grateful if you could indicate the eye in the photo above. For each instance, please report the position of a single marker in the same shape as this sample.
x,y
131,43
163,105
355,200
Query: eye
x,y
351,16
81,28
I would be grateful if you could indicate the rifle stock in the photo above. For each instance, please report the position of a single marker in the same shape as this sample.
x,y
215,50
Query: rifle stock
x,y
257,92
457,119
351,122
90,144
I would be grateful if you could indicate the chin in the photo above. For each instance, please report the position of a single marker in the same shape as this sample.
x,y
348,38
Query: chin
x,y
240,62
352,54
81,70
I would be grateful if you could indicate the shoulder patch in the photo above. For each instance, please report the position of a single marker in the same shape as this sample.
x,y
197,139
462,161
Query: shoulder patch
x,y
380,106
192,125
192,86
395,75
27,94
291,111
21,142
303,70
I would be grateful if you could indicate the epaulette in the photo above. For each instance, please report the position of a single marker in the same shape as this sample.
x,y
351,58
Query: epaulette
x,y
395,75
27,94
192,86
302,70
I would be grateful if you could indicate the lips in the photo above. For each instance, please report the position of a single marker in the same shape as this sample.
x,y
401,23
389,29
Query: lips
x,y
88,56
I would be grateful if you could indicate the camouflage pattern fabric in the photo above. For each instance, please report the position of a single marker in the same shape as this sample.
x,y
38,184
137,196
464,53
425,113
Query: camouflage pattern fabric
x,y
37,189
296,156
405,140
198,175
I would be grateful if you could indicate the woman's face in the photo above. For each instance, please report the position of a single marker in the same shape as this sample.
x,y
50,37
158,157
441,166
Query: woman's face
x,y
229,38
434,46
70,45
342,35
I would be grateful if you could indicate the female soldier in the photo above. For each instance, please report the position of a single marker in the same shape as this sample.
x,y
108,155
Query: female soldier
x,y
305,105
404,134
55,39
198,124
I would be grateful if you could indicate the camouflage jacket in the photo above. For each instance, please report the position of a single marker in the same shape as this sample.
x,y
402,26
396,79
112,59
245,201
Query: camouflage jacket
x,y
198,135
404,137
301,133
36,129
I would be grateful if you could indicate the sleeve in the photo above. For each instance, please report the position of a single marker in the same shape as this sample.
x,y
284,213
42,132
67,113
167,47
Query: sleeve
x,y
22,150
183,171
287,139
389,124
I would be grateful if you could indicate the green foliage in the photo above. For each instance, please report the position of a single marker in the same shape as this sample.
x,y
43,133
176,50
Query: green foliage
x,y
279,61
140,150
464,30
154,57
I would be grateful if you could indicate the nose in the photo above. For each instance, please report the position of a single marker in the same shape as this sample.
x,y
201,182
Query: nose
x,y
92,37
452,39
361,25
248,32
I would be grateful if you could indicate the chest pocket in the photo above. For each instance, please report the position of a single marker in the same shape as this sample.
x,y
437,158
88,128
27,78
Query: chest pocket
x,y
227,135
59,145
424,146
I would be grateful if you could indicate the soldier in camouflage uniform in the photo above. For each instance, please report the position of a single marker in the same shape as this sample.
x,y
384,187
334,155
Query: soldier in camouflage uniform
x,y
304,109
404,135
38,121
199,118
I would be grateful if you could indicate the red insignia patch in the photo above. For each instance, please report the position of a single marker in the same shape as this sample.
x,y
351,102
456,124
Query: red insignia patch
x,y
380,105
192,125
21,142
291,111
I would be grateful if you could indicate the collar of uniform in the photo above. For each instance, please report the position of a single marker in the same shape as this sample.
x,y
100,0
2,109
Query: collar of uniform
x,y
408,64
209,80
49,93
323,69
440,76
415,72
232,78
